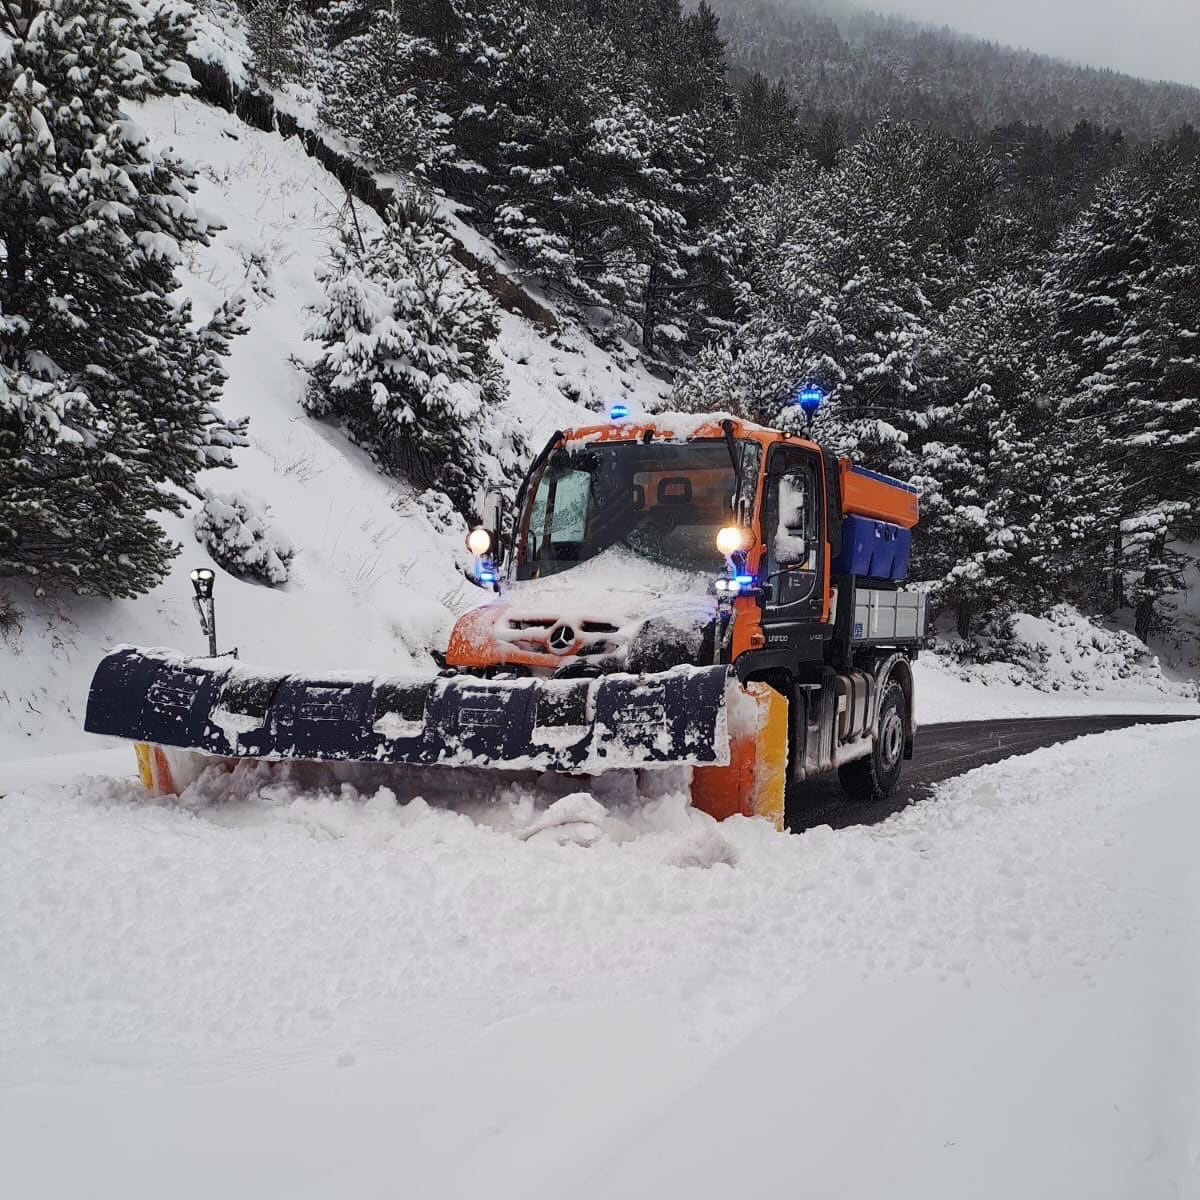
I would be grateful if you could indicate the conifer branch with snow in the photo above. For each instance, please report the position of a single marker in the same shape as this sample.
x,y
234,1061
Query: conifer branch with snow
x,y
406,362
106,385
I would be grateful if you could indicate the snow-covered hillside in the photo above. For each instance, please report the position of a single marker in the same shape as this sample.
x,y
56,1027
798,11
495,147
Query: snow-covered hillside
x,y
992,994
377,578
375,581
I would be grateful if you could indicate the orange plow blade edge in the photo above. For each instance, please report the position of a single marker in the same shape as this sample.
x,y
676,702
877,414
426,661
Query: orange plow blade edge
x,y
753,783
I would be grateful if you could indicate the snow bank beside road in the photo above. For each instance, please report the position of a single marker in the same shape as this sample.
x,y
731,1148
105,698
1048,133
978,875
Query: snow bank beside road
x,y
945,692
992,994
1062,664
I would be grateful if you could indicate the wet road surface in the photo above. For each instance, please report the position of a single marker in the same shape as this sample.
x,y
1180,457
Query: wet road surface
x,y
943,751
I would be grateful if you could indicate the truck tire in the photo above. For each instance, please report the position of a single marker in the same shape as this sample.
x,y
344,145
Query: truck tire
x,y
874,776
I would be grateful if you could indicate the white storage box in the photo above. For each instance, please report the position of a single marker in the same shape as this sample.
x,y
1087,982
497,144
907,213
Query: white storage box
x,y
885,614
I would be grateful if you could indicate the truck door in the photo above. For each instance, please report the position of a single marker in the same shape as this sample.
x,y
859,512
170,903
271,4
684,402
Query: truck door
x,y
793,528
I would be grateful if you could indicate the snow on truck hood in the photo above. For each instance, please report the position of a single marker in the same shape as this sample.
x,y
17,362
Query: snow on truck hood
x,y
594,609
616,586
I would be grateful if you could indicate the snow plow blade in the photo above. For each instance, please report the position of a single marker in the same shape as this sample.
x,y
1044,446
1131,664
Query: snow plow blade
x,y
220,707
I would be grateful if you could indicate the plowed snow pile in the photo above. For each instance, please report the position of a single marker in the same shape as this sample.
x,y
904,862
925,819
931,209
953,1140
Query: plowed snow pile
x,y
270,990
1061,663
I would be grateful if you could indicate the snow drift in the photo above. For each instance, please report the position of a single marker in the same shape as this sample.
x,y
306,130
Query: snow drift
x,y
365,994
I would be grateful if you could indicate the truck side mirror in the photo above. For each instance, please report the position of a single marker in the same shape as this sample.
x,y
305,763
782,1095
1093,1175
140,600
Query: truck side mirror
x,y
493,508
492,518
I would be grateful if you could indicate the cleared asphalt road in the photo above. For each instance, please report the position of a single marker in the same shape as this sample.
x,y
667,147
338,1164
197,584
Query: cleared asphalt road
x,y
943,751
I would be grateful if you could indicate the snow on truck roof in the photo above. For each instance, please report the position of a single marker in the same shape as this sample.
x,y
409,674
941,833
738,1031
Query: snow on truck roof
x,y
864,492
677,427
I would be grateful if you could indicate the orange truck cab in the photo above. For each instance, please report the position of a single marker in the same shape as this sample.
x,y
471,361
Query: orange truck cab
x,y
643,545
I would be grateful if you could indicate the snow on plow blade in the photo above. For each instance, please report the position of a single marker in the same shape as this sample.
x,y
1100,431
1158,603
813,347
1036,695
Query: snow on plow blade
x,y
224,708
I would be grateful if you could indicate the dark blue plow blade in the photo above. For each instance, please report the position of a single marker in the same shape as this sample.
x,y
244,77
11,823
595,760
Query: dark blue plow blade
x,y
221,707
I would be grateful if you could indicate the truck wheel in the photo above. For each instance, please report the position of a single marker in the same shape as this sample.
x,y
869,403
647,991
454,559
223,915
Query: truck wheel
x,y
874,776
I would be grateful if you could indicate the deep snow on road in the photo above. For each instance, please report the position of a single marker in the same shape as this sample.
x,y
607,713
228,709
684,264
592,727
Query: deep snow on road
x,y
994,993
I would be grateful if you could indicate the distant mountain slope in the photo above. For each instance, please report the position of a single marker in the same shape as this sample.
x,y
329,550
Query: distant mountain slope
x,y
863,66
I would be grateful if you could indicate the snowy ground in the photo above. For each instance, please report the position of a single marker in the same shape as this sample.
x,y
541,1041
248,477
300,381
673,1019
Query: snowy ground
x,y
945,692
266,990
1062,664
993,994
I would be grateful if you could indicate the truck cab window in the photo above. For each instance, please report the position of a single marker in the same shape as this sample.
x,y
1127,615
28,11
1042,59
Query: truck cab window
x,y
793,527
558,515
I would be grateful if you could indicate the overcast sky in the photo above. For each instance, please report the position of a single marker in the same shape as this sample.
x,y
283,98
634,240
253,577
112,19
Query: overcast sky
x,y
1158,39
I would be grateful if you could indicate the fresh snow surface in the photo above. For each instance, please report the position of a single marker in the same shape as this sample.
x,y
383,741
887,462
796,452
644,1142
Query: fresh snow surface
x,y
947,692
1062,664
264,989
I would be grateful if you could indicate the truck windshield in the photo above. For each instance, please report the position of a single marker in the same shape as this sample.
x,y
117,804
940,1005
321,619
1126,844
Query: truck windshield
x,y
662,501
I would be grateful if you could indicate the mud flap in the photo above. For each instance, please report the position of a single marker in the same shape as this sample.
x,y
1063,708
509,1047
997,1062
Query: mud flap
x,y
225,709
753,782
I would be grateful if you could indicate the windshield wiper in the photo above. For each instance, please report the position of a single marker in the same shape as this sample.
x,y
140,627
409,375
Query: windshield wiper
x,y
534,467
735,457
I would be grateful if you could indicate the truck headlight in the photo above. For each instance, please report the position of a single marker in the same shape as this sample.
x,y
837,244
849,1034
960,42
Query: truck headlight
x,y
479,542
731,539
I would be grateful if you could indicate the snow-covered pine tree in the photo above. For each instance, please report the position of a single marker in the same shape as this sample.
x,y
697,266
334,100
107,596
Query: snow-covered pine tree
x,y
1124,286
897,214
238,533
406,362
614,185
1048,178
751,373
106,388
1006,505
594,142
700,299
562,217
856,266
273,35
769,133
827,142
428,85
373,83
1156,417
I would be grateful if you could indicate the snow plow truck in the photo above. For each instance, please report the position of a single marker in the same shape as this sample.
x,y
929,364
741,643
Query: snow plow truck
x,y
671,591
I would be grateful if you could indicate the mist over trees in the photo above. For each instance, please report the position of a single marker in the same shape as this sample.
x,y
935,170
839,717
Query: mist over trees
x,y
855,66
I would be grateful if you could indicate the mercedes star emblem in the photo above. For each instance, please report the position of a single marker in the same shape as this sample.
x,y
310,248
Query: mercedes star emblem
x,y
562,638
